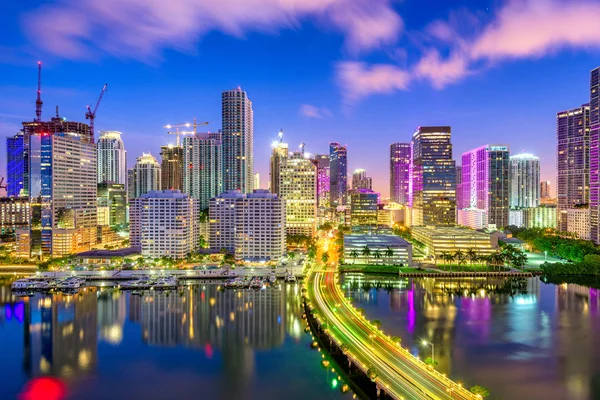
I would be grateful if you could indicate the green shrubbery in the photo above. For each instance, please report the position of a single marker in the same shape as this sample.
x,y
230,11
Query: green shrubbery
x,y
590,265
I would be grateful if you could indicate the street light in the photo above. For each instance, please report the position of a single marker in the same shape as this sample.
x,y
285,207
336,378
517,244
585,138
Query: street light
x,y
426,343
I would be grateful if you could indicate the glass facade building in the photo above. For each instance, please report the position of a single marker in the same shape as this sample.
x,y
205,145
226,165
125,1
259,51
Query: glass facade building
x,y
399,172
338,174
15,165
595,154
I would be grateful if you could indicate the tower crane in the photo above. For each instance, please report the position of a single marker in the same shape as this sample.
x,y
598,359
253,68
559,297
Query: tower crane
x,y
177,132
2,184
91,115
38,102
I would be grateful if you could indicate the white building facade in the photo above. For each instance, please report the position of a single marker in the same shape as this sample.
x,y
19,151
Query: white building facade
x,y
112,158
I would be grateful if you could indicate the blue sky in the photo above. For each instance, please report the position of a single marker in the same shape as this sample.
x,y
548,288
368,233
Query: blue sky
x,y
365,73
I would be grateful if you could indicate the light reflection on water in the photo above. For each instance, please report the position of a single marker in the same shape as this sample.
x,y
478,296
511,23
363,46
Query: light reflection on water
x,y
200,342
521,338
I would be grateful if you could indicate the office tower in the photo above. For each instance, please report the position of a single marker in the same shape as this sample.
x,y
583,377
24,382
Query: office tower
x,y
15,213
484,188
171,167
322,163
112,204
572,161
544,189
294,179
62,188
144,176
595,155
433,177
165,223
203,167
15,165
360,180
238,137
363,208
338,174
399,172
112,158
459,199
257,180
251,226
524,180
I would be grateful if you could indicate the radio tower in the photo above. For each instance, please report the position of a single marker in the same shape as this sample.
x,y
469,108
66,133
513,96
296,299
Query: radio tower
x,y
38,102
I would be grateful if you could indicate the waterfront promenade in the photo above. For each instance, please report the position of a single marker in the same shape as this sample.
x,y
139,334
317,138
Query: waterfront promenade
x,y
398,373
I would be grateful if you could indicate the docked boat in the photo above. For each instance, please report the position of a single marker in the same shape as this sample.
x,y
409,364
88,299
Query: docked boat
x,y
290,278
24,285
272,278
256,283
235,283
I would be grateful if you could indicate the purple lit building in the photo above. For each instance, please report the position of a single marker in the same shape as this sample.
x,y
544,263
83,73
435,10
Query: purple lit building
x,y
338,174
323,180
399,172
595,154
572,161
485,187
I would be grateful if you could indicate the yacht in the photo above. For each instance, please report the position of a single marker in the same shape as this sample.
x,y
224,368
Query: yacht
x,y
290,278
272,278
256,283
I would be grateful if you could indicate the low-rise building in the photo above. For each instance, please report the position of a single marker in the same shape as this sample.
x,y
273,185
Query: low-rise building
x,y
355,245
15,213
450,239
579,222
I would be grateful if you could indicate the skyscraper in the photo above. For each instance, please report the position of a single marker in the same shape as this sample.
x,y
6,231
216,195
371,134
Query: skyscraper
x,y
238,138
572,161
15,165
62,188
360,180
338,174
524,181
144,176
484,188
433,177
171,167
544,189
323,185
399,172
294,179
112,158
595,154
203,167
363,208
112,204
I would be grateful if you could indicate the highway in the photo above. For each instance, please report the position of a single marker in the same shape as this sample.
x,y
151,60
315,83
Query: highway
x,y
399,373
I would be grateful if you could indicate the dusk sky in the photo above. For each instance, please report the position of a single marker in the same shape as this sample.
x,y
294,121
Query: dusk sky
x,y
361,72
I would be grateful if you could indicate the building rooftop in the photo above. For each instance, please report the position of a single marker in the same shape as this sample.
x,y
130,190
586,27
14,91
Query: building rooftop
x,y
129,251
373,241
448,231
164,194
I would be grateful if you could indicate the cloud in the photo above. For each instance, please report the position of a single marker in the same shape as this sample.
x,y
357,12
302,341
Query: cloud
x,y
358,80
454,49
141,29
310,111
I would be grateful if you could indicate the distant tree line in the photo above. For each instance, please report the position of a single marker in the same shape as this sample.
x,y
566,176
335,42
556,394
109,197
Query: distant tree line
x,y
556,243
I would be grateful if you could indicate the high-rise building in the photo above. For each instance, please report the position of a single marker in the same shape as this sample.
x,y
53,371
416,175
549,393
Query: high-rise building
x,y
544,190
338,174
15,213
433,177
15,165
595,155
572,161
165,223
360,180
251,226
484,187
578,222
203,167
171,167
294,179
144,176
322,163
399,172
238,137
112,204
363,208
459,200
62,188
524,181
112,158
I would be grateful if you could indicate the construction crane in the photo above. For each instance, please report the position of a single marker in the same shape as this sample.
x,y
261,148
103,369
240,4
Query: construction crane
x,y
91,115
186,125
2,184
38,102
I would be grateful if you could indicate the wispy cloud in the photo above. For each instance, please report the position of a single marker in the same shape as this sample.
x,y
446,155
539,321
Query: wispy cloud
x,y
310,111
520,29
143,28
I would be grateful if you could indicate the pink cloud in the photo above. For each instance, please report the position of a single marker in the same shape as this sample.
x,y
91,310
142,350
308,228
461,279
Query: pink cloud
x,y
441,72
310,111
143,28
359,80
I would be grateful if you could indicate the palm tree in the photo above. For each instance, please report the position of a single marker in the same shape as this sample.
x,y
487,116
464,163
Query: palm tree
x,y
377,254
325,258
366,251
354,254
389,253
471,255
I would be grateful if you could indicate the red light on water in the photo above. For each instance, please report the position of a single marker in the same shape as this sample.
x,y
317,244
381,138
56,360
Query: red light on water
x,y
45,388
208,351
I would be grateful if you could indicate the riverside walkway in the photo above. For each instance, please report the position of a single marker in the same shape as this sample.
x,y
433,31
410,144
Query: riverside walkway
x,y
399,374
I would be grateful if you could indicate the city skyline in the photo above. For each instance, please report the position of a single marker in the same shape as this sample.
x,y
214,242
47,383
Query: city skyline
x,y
167,86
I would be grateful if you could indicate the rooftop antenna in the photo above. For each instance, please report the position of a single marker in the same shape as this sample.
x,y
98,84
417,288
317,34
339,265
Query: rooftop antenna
x,y
302,147
38,102
57,112
280,135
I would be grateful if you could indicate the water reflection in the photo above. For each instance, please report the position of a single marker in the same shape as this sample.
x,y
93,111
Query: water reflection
x,y
522,338
233,331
